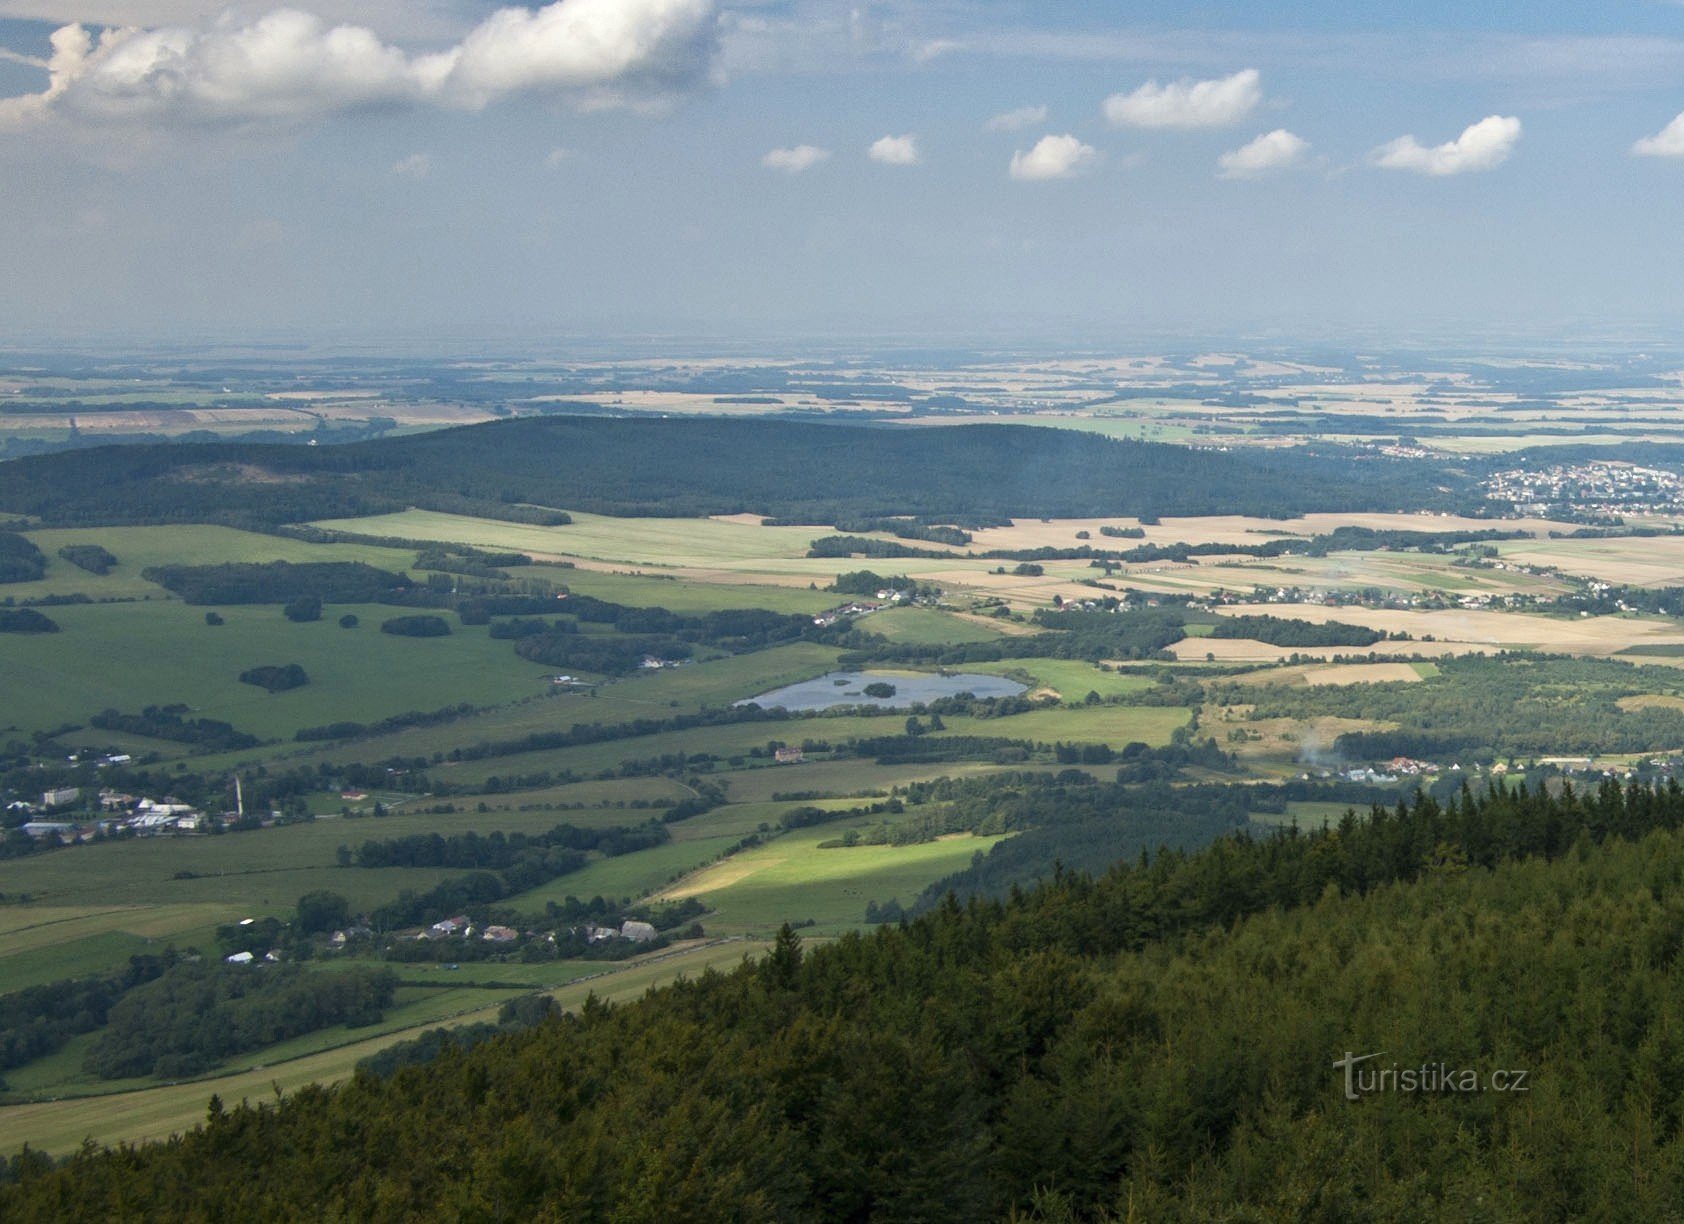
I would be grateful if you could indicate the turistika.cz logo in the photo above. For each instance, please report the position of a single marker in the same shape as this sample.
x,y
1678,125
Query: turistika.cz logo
x,y
1364,1076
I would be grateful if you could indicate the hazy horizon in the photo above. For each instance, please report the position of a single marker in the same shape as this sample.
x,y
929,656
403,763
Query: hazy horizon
x,y
743,170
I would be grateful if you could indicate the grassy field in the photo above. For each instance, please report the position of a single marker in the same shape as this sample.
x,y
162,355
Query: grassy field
x,y
137,548
1070,679
793,880
156,1113
652,694
656,543
926,626
129,656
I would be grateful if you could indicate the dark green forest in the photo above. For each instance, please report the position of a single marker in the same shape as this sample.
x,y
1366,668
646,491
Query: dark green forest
x,y
1156,1043
788,469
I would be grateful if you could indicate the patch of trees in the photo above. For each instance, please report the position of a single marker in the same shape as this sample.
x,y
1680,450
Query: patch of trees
x,y
198,1014
91,557
39,1020
510,864
906,529
167,722
926,749
1091,636
605,654
277,582
1123,533
517,468
1480,707
303,610
416,626
1280,631
276,677
1147,1036
20,560
472,562
865,582
397,722
879,689
517,1014
499,851
865,546
26,620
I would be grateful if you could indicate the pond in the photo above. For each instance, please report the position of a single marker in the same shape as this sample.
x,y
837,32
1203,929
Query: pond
x,y
848,688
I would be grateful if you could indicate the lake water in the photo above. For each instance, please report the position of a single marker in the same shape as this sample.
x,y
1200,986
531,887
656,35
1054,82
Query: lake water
x,y
848,688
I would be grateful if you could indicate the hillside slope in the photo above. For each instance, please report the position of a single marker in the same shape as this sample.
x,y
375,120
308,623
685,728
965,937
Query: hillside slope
x,y
1156,1044
703,466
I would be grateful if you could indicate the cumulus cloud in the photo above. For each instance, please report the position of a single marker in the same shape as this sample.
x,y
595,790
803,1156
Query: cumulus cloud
x,y
1481,146
795,159
894,150
1274,150
1053,157
290,65
1668,142
1017,120
1188,103
415,166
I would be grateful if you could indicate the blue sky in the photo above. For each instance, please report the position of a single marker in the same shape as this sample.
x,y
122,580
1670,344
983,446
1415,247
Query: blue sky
x,y
628,167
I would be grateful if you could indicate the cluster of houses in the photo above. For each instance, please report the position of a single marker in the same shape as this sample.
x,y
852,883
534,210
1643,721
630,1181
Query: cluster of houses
x,y
1597,487
118,813
463,927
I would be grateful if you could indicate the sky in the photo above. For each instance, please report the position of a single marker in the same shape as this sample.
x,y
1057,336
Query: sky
x,y
759,170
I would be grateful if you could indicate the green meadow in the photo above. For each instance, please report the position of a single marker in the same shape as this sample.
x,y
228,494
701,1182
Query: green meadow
x,y
161,652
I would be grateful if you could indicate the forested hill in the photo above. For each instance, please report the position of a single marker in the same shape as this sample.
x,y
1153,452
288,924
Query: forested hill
x,y
1156,1044
814,472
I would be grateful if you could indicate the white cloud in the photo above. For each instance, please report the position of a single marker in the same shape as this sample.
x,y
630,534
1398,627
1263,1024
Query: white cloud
x,y
7,55
894,150
1017,120
1053,157
415,166
1188,103
557,156
1481,146
1668,142
796,159
1274,150
291,65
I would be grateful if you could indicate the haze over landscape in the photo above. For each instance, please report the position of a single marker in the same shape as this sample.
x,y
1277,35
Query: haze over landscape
x,y
901,610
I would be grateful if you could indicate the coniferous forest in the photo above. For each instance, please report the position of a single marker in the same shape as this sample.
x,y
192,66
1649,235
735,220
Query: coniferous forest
x,y
1158,1042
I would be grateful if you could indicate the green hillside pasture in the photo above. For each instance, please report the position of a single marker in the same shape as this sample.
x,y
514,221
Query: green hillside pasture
x,y
231,870
609,803
792,880
631,875
1100,724
136,548
43,943
840,778
653,694
1114,725
1072,679
660,543
685,596
156,1113
100,904
925,626
129,656
735,739
261,871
